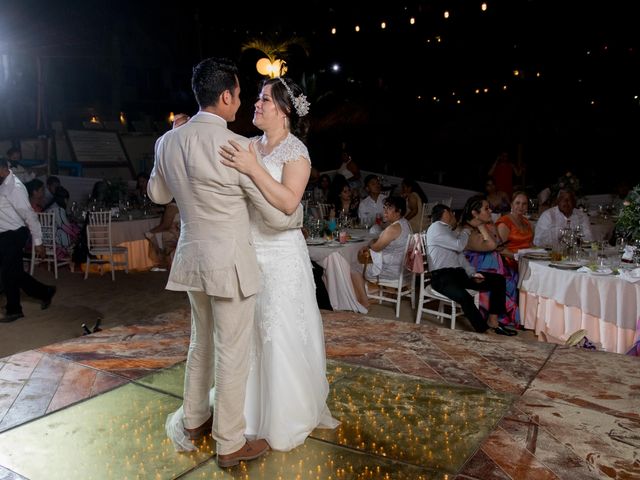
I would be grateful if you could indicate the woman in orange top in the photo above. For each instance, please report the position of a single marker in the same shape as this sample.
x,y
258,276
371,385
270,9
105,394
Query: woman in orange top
x,y
514,229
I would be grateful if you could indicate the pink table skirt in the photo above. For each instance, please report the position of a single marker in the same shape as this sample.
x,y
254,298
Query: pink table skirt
x,y
555,322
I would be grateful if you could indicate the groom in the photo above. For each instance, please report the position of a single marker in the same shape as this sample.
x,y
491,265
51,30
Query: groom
x,y
215,261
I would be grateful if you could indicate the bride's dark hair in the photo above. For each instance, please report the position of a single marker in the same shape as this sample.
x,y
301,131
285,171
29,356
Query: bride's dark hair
x,y
298,125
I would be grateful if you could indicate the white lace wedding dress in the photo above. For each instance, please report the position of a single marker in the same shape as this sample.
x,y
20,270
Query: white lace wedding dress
x,y
287,387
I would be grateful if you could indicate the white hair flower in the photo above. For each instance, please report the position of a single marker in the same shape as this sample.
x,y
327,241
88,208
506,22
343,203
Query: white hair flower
x,y
300,103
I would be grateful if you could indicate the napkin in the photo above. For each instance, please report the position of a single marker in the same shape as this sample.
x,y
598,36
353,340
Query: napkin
x,y
599,271
632,276
522,251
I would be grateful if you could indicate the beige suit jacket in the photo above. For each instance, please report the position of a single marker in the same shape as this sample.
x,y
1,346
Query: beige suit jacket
x,y
214,254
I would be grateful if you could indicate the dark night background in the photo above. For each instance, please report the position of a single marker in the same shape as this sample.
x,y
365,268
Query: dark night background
x,y
395,98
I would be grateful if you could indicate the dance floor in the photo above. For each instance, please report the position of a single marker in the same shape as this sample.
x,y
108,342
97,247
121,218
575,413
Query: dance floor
x,y
415,402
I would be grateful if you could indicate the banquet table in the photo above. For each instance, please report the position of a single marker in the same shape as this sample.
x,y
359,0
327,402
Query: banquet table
x,y
338,260
130,234
557,302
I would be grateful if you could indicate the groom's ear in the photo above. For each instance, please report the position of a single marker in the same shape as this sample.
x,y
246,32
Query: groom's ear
x,y
226,97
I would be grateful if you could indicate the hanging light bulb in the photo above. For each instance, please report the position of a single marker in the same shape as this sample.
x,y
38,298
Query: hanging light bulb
x,y
264,66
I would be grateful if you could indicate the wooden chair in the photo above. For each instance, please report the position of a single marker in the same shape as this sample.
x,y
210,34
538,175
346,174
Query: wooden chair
x,y
99,244
48,226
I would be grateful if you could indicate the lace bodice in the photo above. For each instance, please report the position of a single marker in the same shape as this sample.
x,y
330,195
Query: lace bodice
x,y
289,150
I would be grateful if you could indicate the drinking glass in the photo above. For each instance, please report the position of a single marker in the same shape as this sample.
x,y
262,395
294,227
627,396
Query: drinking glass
x,y
332,226
367,221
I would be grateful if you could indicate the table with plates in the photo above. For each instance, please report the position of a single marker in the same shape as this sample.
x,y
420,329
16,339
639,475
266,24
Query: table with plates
x,y
556,301
338,261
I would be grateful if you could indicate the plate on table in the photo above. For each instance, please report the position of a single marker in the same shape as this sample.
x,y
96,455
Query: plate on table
x,y
355,239
565,265
331,244
316,241
537,255
604,271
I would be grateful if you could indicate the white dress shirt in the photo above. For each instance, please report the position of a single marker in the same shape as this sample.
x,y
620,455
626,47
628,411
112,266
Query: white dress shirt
x,y
15,209
552,220
445,247
370,207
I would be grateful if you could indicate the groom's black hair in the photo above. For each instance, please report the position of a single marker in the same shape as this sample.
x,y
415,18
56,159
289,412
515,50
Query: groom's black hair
x,y
211,77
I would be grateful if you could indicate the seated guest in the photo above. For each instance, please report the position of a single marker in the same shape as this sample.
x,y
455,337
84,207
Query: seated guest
x,y
498,200
67,232
564,214
140,197
342,199
514,228
98,195
35,189
52,184
372,205
452,275
416,198
163,238
387,251
321,191
483,251
14,156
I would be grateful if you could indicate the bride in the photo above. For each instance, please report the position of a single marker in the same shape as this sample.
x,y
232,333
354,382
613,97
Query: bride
x,y
287,387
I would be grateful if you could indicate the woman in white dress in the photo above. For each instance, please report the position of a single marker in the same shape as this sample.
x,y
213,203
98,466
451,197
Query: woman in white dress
x,y
287,387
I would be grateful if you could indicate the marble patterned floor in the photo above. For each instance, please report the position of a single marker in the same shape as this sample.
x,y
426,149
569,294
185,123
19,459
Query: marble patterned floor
x,y
415,402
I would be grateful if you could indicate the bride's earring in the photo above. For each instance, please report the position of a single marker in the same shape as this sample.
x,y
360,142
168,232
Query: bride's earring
x,y
285,122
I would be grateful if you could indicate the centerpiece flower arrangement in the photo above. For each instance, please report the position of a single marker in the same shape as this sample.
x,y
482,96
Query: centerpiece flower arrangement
x,y
568,181
628,223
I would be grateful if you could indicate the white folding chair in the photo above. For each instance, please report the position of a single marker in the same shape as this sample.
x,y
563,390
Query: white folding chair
x,y
428,295
393,290
48,226
324,209
425,219
99,244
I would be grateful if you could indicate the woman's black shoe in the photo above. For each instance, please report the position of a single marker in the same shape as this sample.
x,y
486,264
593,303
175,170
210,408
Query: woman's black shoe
x,y
504,331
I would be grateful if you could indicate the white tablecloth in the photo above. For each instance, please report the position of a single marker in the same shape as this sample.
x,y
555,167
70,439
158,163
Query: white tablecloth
x,y
338,262
130,234
559,302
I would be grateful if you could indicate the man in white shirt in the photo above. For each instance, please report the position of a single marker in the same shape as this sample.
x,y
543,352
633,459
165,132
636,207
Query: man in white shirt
x,y
452,275
564,214
15,215
373,204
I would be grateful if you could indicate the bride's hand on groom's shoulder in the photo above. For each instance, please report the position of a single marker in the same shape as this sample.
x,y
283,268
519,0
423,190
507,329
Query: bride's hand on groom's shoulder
x,y
243,160
179,120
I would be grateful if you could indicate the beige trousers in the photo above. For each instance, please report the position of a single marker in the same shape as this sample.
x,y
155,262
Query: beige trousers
x,y
220,327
